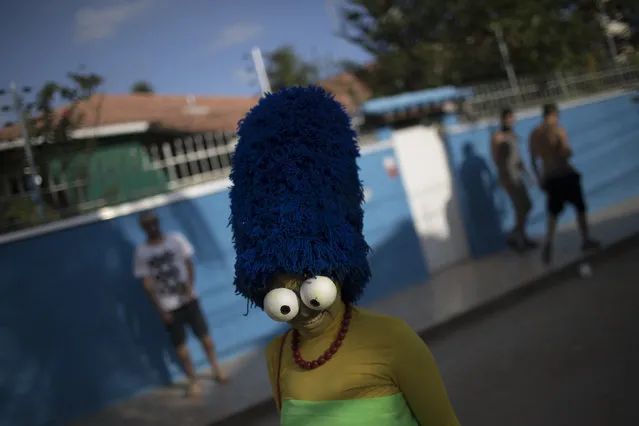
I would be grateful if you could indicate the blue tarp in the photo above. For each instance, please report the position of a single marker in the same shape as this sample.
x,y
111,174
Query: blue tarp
x,y
410,100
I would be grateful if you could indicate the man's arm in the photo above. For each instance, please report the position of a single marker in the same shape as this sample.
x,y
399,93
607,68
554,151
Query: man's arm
x,y
534,156
525,171
142,271
564,144
147,284
418,378
187,251
495,140
191,274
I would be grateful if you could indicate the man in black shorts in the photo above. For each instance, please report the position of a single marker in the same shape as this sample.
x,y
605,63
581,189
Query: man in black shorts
x,y
163,262
513,176
558,178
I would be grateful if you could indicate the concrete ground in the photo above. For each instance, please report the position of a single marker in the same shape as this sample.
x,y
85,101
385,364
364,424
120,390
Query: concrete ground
x,y
564,352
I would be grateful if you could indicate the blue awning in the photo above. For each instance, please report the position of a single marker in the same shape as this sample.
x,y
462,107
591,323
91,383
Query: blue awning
x,y
409,100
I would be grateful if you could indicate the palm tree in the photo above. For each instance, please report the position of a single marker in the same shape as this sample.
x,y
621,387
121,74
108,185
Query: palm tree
x,y
142,87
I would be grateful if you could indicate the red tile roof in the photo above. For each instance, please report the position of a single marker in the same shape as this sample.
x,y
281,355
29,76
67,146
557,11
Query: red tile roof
x,y
212,113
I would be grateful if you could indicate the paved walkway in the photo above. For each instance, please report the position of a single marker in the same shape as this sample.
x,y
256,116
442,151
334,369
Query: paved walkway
x,y
446,296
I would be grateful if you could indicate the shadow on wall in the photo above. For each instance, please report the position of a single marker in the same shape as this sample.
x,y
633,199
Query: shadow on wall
x,y
76,329
483,203
397,263
191,222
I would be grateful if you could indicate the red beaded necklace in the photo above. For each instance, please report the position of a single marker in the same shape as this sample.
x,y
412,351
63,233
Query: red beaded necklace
x,y
328,354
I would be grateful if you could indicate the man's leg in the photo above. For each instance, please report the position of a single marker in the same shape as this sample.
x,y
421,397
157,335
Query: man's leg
x,y
201,330
554,206
577,199
521,203
514,239
178,338
209,348
523,210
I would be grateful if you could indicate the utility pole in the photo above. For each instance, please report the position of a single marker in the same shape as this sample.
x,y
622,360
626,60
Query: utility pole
x,y
260,70
35,180
331,11
505,57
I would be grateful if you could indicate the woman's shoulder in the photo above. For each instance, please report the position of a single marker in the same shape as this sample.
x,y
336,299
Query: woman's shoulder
x,y
273,347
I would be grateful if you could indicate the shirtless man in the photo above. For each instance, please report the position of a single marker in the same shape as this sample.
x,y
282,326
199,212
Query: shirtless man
x,y
558,178
513,176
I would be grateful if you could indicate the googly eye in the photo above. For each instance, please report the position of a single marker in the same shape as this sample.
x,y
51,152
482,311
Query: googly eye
x,y
281,304
318,293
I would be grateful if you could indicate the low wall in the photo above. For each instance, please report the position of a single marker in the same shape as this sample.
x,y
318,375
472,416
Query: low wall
x,y
604,134
78,334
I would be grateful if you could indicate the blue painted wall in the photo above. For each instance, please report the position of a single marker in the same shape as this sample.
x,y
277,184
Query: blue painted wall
x,y
605,140
78,334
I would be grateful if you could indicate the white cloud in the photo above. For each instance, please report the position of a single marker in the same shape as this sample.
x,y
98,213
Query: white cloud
x,y
235,34
98,23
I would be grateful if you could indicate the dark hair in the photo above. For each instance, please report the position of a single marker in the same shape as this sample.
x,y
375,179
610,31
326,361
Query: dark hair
x,y
506,112
549,109
148,215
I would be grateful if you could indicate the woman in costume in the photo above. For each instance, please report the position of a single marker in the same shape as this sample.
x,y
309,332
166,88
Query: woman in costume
x,y
297,221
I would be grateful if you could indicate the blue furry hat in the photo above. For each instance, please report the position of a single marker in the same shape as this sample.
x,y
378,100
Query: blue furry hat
x,y
296,200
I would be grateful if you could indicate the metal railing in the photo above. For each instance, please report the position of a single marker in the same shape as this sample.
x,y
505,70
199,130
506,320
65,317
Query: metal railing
x,y
194,159
106,176
490,98
115,174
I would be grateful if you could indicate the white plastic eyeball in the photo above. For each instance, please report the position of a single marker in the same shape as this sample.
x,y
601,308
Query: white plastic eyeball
x,y
318,293
281,304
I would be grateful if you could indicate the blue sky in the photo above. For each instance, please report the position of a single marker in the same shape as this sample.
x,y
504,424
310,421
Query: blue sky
x,y
186,46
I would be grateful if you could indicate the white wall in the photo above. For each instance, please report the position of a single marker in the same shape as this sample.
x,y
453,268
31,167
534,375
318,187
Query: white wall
x,y
426,176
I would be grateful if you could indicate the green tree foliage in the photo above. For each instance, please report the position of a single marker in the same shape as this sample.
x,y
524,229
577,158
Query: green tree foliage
x,y
429,43
285,67
55,127
142,87
55,123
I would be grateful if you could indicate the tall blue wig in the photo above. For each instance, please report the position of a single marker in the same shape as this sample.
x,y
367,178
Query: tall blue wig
x,y
296,200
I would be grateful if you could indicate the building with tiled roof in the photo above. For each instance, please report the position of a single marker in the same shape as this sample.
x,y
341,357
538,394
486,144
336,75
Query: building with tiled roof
x,y
111,115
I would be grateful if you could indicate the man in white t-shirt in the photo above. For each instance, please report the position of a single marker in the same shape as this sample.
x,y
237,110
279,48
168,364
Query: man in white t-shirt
x,y
163,263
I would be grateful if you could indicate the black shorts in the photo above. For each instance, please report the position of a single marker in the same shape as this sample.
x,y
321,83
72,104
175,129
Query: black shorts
x,y
562,190
187,315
